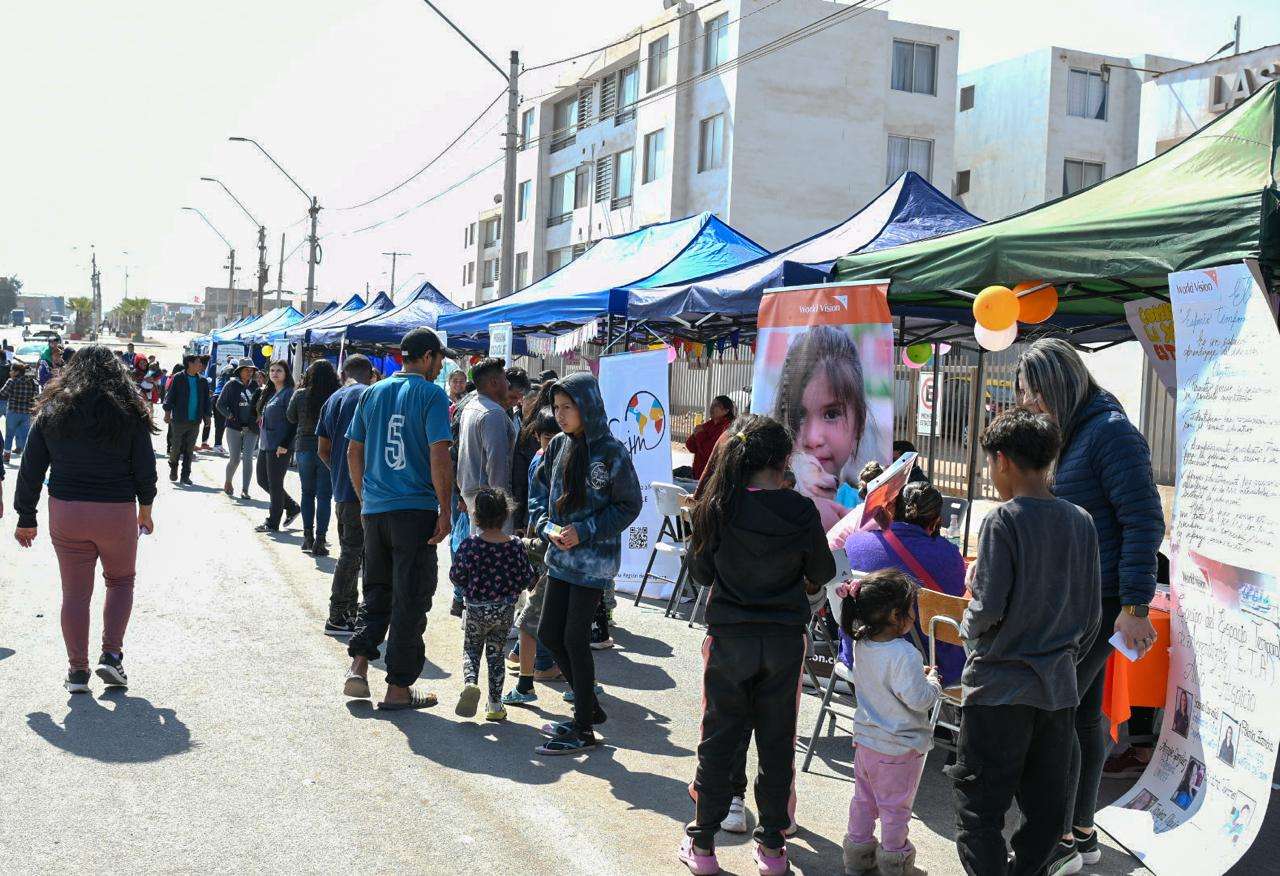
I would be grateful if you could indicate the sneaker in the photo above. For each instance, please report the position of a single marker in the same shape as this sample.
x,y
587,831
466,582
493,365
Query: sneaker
x,y
604,643
468,701
568,695
1087,846
770,865
495,712
519,698
111,670
1065,860
308,544
698,863
320,548
173,474
290,516
343,627
186,481
1125,765
456,608
736,820
266,527
77,681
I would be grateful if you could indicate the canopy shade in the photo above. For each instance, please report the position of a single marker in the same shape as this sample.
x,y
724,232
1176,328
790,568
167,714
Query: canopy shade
x,y
341,318
423,308
1211,199
592,285
351,305
281,317
277,334
909,209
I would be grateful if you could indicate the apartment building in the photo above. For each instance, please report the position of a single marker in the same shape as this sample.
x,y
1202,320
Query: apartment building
x,y
716,109
1046,124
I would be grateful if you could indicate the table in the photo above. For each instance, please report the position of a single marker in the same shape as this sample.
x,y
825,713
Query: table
x,y
1142,684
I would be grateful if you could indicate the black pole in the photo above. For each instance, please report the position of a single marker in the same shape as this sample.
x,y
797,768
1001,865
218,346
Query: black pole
x,y
933,408
974,413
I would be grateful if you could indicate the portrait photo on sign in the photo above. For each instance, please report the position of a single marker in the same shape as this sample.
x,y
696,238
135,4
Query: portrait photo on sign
x,y
1191,785
1227,734
1183,703
1242,809
1144,802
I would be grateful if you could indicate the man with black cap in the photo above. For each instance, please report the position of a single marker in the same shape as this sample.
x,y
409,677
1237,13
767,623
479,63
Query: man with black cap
x,y
398,458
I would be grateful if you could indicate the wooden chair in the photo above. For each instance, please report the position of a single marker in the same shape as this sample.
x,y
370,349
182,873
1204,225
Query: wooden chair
x,y
672,537
940,617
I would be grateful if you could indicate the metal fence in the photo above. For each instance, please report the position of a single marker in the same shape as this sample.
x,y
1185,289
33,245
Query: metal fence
x,y
1159,425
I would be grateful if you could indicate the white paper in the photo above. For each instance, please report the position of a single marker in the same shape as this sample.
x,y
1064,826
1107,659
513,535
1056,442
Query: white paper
x,y
1117,642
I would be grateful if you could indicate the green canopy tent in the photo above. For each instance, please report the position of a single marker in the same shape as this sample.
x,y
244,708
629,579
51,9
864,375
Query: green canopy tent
x,y
1211,199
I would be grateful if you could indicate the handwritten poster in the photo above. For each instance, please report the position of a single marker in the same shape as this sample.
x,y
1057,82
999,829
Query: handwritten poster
x,y
1200,803
1152,322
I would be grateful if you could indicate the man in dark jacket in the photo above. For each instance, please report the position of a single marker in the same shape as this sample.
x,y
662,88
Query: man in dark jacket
x,y
186,406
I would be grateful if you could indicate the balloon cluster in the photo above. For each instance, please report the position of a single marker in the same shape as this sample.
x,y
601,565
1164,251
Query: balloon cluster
x,y
998,309
918,355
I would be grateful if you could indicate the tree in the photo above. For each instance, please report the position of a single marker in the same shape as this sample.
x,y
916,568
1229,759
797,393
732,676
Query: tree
x,y
132,311
83,308
9,289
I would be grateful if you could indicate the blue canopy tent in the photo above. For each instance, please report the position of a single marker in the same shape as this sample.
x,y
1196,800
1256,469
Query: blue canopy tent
x,y
241,335
232,332
204,343
297,332
423,308
909,209
275,335
341,318
595,284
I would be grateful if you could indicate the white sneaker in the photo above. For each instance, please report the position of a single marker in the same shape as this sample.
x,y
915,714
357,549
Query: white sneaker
x,y
736,820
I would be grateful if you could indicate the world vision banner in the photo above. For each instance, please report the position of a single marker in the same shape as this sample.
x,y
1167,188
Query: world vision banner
x,y
824,368
635,391
1200,803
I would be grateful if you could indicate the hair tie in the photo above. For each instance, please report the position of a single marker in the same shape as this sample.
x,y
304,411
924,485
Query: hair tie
x,y
740,437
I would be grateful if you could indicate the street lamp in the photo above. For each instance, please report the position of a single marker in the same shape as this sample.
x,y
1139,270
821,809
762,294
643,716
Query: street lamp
x,y
313,258
262,237
231,255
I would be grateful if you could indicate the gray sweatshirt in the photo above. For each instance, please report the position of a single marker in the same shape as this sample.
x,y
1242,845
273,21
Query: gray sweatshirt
x,y
486,442
1036,607
894,697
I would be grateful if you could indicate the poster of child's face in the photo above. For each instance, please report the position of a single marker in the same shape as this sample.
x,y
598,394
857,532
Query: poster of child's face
x,y
1182,706
1143,802
1227,733
1191,785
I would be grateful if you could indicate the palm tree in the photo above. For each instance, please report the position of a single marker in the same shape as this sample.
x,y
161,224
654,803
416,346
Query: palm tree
x,y
83,308
131,312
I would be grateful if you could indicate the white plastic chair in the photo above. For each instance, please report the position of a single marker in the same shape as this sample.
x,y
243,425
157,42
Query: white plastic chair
x,y
672,537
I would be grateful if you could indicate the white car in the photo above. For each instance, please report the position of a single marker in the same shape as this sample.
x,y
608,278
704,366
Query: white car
x,y
30,353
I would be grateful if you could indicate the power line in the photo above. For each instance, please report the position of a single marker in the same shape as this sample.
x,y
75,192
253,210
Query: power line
x,y
639,33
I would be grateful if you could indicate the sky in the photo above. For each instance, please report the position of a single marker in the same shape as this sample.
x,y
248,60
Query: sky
x,y
115,110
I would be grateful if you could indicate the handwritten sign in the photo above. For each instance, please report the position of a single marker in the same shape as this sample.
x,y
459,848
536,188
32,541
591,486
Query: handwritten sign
x,y
1200,803
1152,322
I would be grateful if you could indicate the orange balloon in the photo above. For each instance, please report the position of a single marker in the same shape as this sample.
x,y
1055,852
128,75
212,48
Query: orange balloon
x,y
1038,306
996,308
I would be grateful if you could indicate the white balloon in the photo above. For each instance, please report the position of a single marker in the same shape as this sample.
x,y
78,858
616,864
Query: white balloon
x,y
995,341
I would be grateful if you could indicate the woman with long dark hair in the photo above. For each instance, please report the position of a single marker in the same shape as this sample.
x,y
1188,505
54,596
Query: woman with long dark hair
x,y
92,434
704,437
275,446
318,383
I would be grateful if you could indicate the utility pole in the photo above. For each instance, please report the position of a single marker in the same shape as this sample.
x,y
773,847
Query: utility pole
x,y
391,287
280,272
1237,51
95,282
231,284
262,238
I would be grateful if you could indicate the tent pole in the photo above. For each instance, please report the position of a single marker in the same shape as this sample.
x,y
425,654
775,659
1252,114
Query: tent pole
x,y
974,414
933,409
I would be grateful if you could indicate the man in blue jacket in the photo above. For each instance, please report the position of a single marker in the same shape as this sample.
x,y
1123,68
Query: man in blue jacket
x,y
186,406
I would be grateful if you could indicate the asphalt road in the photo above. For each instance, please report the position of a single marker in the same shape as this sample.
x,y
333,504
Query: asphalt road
x,y
235,751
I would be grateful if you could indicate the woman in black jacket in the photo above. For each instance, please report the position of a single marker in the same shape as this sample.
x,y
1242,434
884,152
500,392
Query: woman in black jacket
x,y
238,404
275,446
92,433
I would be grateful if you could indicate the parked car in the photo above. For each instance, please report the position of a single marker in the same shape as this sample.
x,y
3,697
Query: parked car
x,y
57,322
30,352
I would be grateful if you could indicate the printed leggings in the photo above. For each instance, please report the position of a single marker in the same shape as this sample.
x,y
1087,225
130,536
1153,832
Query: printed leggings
x,y
486,631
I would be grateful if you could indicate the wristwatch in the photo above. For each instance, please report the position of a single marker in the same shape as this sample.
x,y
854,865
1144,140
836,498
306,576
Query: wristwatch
x,y
1136,610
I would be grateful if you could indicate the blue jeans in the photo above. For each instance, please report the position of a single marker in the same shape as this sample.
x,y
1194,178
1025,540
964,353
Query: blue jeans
x,y
16,427
317,492
541,661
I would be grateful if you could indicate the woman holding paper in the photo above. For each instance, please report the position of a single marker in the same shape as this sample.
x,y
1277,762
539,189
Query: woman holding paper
x,y
1104,467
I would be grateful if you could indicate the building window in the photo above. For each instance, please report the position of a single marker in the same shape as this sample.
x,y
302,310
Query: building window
x,y
915,67
490,273
582,185
585,96
558,258
526,127
1086,95
711,143
464,275
471,273
604,178
562,193
523,193
622,173
907,153
962,182
628,93
1077,175
715,45
655,154
564,123
469,235
966,98
493,231
522,270
656,75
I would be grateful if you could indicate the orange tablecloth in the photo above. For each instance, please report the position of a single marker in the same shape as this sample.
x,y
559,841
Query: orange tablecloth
x,y
1144,683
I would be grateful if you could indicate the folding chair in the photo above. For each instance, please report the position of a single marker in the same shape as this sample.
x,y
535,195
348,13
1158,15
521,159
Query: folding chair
x,y
840,672
940,617
672,537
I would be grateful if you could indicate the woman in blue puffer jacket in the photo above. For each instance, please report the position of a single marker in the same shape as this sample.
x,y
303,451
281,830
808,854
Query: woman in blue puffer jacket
x,y
1104,467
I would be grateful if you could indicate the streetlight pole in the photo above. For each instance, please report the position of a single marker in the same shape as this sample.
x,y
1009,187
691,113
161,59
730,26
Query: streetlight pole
x,y
314,254
231,268
262,238
506,261
391,287
280,272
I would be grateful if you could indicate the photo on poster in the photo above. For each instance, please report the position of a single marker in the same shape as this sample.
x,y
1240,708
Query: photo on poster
x,y
1144,802
1228,732
1191,785
1242,809
1182,712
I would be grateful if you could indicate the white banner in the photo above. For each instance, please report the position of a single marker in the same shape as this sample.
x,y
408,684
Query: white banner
x,y
1152,322
926,400
500,341
634,387
1200,803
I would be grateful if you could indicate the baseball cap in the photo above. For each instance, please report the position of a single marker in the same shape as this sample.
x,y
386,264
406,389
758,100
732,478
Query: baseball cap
x,y
421,341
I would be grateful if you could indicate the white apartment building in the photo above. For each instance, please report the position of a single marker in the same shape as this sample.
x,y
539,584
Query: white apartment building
x,y
706,110
1046,124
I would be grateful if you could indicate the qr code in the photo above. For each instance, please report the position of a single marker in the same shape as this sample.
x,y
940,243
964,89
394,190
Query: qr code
x,y
638,537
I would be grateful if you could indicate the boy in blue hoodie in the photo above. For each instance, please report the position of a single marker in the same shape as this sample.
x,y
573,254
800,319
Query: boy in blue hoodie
x,y
592,496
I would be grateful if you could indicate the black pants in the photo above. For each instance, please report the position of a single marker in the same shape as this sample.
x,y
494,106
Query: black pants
x,y
399,582
182,444
1007,753
565,631
204,437
1093,735
749,684
272,468
344,596
219,427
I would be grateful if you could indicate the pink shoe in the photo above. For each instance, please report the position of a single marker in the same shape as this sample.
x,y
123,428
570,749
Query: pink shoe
x,y
699,865
770,866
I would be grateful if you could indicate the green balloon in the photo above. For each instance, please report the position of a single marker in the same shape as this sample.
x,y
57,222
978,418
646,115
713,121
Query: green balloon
x,y
919,353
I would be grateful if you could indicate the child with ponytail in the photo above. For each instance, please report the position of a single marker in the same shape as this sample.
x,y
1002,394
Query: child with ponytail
x,y
761,549
891,729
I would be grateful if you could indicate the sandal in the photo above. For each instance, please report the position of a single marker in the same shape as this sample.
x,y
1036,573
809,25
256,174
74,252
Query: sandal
x,y
417,700
558,729
566,745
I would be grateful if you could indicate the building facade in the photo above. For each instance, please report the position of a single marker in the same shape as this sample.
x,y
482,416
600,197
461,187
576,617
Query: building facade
x,y
714,109
1046,124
